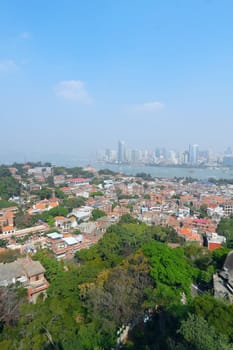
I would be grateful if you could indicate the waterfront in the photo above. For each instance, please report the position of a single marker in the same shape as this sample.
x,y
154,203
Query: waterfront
x,y
158,171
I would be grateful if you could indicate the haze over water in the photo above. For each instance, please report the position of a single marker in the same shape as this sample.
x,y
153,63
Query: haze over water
x,y
158,171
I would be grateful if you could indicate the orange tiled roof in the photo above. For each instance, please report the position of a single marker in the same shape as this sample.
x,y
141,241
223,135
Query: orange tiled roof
x,y
185,231
7,228
60,218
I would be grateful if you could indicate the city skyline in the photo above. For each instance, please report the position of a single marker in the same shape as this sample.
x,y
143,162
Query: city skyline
x,y
77,76
193,155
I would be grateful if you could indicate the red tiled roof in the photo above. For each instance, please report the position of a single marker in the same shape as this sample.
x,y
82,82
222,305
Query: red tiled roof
x,y
78,179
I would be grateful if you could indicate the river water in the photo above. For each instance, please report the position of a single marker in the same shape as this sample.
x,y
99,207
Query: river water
x,y
158,171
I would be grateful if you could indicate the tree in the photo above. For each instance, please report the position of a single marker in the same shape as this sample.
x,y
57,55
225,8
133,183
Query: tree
x,y
120,293
225,228
203,211
79,172
199,335
216,312
219,255
3,243
9,186
145,176
44,193
23,220
59,170
50,181
107,172
4,171
75,202
6,204
51,221
114,205
9,256
11,298
97,214
95,194
97,181
127,219
57,211
146,196
170,271
59,193
109,248
77,232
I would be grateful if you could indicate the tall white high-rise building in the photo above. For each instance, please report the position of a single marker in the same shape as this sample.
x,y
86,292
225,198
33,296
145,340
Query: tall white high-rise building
x,y
193,154
121,152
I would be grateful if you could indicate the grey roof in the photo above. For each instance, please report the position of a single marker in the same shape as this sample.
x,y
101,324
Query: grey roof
x,y
70,240
33,268
10,272
54,235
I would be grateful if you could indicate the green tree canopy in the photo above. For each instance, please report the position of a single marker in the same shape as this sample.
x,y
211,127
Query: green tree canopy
x,y
9,186
199,335
97,214
225,228
44,193
75,202
170,271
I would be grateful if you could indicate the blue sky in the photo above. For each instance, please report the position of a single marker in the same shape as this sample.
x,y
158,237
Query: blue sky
x,y
76,76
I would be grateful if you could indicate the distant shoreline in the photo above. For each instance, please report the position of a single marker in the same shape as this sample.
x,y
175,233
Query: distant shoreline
x,y
162,171
183,166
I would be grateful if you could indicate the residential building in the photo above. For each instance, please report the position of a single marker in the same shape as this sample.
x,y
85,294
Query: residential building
x,y
28,272
65,246
214,240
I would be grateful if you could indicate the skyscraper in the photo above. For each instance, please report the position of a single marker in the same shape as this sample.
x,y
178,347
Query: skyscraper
x,y
121,152
193,154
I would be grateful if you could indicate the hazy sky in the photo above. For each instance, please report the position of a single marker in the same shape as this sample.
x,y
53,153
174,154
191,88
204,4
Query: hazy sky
x,y
76,76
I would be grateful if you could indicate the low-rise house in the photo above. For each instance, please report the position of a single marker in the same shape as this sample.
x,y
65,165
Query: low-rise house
x,y
40,171
43,205
58,179
13,170
103,224
39,229
34,187
201,225
65,246
216,212
62,246
83,213
184,212
67,190
7,230
65,223
190,235
27,272
7,216
214,240
88,228
78,181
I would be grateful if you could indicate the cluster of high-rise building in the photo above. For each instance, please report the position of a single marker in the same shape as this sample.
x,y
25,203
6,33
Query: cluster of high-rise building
x,y
192,156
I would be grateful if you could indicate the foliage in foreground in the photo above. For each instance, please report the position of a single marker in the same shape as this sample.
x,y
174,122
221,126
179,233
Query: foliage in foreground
x,y
130,277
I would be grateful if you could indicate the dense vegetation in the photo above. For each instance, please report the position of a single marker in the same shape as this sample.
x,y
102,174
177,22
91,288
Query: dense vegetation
x,y
8,185
225,228
131,277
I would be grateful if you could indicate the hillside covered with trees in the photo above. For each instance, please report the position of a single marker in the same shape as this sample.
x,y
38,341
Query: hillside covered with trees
x,y
130,278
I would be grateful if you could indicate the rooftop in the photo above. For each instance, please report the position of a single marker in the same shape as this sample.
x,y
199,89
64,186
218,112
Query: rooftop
x,y
54,235
70,240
